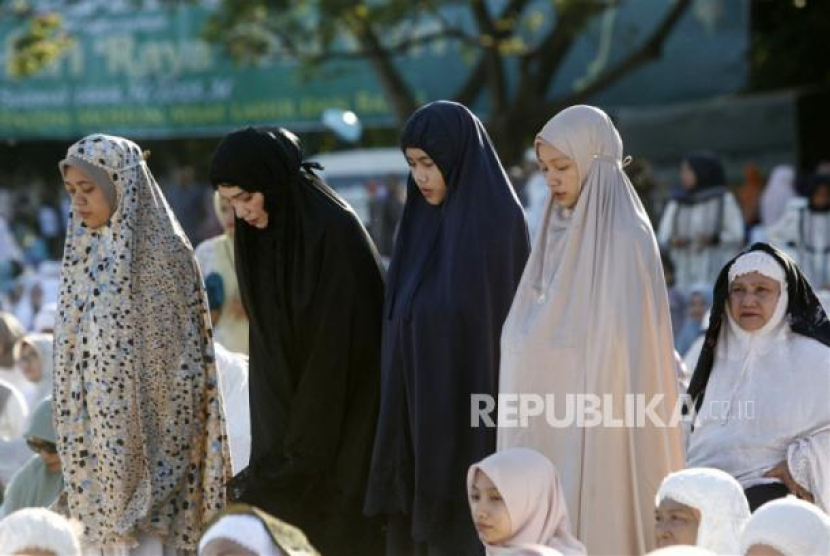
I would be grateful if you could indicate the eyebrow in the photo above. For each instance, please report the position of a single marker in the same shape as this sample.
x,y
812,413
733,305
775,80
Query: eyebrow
x,y
82,181
421,157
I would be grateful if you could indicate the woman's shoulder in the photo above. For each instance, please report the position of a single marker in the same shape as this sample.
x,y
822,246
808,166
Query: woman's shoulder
x,y
809,351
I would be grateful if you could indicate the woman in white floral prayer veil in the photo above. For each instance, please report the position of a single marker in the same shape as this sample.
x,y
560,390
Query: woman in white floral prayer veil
x,y
138,413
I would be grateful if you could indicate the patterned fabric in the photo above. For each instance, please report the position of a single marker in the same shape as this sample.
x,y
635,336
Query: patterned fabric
x,y
138,414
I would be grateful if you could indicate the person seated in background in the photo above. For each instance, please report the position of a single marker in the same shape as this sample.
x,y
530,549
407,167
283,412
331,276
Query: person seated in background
x,y
243,530
516,500
787,527
702,507
33,354
697,305
39,532
804,232
761,382
39,483
216,261
702,225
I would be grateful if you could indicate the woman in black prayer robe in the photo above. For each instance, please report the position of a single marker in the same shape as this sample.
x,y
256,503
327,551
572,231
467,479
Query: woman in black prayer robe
x,y
312,285
460,253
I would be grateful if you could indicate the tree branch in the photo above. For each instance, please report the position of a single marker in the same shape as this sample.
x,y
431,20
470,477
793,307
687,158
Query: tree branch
x,y
403,101
472,86
491,57
650,50
552,51
401,47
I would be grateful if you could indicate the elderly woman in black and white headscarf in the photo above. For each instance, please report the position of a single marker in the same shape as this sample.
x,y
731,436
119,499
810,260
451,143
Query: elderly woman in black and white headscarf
x,y
762,382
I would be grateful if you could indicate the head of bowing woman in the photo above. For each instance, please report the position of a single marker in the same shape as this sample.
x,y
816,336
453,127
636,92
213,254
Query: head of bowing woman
x,y
91,191
569,144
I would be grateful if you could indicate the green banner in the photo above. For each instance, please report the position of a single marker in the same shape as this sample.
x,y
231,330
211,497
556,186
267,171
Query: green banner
x,y
148,73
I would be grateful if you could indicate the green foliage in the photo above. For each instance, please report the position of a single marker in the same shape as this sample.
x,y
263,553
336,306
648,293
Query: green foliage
x,y
42,42
790,42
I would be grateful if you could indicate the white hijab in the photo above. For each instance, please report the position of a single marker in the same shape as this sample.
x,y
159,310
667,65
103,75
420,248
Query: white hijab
x,y
529,485
720,500
777,193
243,530
790,526
43,345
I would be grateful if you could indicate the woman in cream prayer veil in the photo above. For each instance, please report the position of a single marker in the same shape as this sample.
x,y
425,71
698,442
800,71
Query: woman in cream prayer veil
x,y
591,317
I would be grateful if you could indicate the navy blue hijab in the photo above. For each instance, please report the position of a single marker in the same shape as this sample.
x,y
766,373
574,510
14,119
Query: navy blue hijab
x,y
710,178
453,275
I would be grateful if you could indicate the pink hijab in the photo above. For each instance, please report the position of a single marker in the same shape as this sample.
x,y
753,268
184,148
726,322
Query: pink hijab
x,y
529,485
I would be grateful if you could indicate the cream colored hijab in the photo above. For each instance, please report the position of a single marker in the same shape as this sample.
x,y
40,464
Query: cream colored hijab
x,y
591,316
529,485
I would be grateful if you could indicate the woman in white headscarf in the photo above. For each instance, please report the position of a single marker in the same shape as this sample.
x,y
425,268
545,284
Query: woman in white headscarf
x,y
591,320
138,411
804,231
720,506
777,194
787,527
244,530
34,356
215,255
516,501
39,531
762,381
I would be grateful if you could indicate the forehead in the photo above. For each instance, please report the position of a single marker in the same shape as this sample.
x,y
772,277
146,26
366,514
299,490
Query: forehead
x,y
229,190
415,153
546,151
754,279
670,505
481,481
75,174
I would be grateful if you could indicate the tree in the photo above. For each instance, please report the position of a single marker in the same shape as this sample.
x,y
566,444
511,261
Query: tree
x,y
492,33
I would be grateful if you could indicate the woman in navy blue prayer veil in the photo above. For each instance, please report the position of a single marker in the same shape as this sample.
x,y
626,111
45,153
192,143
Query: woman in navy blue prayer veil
x,y
460,252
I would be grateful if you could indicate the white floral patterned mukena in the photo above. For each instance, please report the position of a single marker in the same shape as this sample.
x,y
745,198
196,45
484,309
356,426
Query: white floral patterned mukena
x,y
138,412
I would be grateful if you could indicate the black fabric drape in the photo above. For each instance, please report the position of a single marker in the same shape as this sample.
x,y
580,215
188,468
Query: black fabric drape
x,y
312,285
453,275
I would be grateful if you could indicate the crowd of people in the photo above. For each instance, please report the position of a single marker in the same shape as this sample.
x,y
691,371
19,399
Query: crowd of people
x,y
280,390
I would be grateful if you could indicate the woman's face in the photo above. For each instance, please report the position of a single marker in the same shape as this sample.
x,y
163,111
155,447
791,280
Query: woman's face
x,y
489,511
697,307
248,206
47,451
675,523
561,174
427,176
688,179
88,201
30,363
752,300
